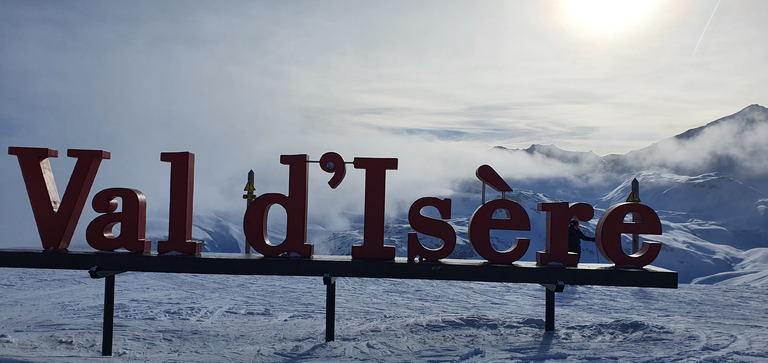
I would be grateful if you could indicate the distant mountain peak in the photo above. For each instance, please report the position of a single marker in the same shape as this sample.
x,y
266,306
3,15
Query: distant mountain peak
x,y
553,152
755,106
747,116
729,145
543,148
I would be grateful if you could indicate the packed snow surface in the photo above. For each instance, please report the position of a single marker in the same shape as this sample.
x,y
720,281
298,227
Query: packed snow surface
x,y
56,316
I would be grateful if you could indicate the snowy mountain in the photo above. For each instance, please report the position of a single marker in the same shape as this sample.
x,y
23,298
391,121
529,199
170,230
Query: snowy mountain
x,y
708,186
732,145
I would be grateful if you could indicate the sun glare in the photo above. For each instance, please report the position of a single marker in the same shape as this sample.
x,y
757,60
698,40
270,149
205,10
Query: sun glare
x,y
607,16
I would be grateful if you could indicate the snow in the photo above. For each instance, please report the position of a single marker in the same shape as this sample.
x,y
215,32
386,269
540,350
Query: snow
x,y
56,316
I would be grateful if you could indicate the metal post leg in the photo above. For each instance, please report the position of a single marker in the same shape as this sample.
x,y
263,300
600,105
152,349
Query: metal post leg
x,y
109,309
549,315
330,307
549,322
109,305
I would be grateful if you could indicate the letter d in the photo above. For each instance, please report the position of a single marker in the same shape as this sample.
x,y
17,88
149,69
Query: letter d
x,y
295,204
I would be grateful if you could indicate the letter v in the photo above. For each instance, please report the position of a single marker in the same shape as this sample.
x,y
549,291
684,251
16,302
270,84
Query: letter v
x,y
57,218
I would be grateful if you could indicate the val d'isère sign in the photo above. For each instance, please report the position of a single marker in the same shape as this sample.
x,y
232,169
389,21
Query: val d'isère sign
x,y
57,217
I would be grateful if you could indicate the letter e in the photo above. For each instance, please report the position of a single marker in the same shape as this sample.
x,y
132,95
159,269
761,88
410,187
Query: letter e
x,y
482,222
611,225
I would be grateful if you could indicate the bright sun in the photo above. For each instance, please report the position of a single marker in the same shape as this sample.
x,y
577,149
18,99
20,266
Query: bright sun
x,y
607,16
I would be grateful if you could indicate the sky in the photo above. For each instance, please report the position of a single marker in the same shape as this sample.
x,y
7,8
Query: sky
x,y
432,83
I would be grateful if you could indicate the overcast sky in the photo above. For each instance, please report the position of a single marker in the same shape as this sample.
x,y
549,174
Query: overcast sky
x,y
429,82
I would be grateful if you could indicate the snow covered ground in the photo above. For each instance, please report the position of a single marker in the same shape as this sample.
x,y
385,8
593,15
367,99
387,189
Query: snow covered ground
x,y
56,316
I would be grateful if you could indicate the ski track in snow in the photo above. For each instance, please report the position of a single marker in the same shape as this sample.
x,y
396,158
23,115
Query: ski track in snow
x,y
56,316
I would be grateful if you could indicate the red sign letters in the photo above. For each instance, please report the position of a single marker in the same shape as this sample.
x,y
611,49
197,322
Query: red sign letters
x,y
57,217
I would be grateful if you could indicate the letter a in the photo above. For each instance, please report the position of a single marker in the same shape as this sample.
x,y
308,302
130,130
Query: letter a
x,y
57,218
132,220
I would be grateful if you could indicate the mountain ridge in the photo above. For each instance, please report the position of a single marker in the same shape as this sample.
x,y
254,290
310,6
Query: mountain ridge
x,y
740,123
746,112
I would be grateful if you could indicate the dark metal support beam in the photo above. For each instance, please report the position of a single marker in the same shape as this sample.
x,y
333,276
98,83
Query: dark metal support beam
x,y
344,266
549,319
109,306
109,313
549,313
330,307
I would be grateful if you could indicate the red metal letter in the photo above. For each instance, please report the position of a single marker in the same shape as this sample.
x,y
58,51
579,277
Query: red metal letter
x,y
332,162
295,204
611,225
430,227
132,219
482,222
180,214
558,216
373,247
487,175
57,218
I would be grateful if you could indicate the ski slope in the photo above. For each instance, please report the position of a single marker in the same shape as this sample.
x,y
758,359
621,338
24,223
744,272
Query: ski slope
x,y
56,316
